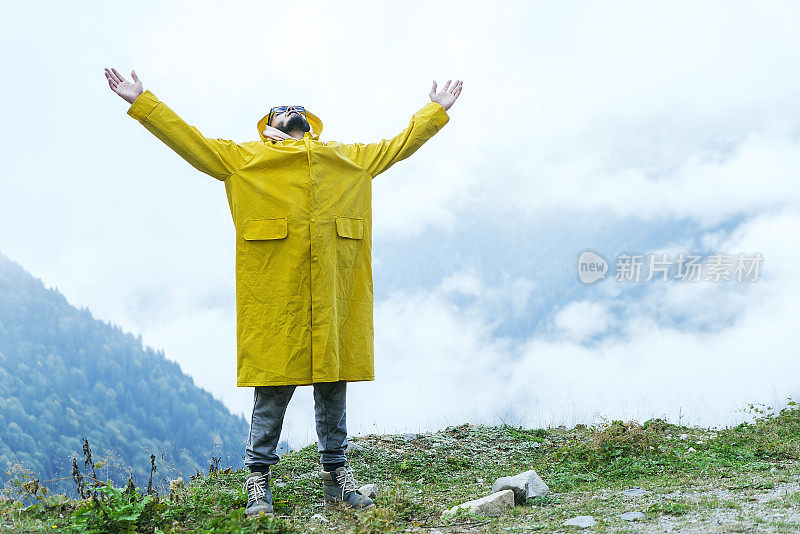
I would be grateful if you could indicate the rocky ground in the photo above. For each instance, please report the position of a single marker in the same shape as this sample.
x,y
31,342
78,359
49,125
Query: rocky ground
x,y
618,477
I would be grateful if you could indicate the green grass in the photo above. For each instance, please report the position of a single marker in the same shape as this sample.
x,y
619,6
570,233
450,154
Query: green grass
x,y
706,475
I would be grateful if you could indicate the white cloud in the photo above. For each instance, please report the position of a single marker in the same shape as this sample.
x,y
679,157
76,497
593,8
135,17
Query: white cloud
x,y
448,365
572,112
467,282
581,320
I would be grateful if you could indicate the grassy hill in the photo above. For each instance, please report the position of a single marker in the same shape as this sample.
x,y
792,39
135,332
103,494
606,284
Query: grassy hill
x,y
738,479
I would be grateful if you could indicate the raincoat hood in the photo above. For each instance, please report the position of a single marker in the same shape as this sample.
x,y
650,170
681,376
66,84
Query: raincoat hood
x,y
313,121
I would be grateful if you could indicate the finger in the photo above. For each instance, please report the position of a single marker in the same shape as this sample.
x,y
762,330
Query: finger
x,y
433,89
112,76
134,76
446,85
120,76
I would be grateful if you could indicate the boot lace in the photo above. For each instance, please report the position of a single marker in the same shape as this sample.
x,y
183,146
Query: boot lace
x,y
346,480
254,486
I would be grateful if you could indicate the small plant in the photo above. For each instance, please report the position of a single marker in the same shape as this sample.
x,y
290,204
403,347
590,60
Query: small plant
x,y
524,435
214,467
87,458
25,485
150,488
617,440
542,500
111,510
670,508
80,485
458,462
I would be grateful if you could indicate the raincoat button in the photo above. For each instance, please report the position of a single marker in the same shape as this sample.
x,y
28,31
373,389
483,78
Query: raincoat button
x,y
316,258
313,219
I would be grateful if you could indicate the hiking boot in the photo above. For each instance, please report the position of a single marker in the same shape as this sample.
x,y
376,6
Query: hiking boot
x,y
339,489
259,494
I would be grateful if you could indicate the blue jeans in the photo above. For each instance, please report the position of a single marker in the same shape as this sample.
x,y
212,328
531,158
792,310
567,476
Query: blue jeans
x,y
269,407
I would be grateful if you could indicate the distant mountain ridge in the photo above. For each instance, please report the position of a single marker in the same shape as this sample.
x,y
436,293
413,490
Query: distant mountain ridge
x,y
65,375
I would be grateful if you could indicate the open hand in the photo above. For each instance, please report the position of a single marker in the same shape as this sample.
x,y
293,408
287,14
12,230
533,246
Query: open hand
x,y
127,90
447,96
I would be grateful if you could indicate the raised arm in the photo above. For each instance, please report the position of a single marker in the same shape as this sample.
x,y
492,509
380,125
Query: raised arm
x,y
218,158
375,158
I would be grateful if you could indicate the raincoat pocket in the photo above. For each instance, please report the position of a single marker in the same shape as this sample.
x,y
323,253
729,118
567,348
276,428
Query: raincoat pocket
x,y
350,232
260,229
265,250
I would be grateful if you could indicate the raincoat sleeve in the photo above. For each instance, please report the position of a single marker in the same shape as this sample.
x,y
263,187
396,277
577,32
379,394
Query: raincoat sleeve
x,y
219,158
378,157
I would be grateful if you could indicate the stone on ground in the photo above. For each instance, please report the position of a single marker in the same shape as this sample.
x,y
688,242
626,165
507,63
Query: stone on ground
x,y
634,492
582,521
493,504
370,490
632,516
524,485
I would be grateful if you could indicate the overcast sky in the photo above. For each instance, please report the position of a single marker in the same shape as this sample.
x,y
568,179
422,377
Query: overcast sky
x,y
658,127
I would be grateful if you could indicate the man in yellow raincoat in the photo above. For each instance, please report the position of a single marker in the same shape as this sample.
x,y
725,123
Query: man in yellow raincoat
x,y
302,209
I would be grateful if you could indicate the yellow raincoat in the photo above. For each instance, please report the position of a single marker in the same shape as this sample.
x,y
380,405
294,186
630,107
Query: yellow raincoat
x,y
302,209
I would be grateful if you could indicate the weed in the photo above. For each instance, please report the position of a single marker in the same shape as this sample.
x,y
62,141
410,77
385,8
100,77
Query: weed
x,y
111,510
670,508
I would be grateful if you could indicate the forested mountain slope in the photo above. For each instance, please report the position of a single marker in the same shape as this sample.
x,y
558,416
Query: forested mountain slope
x,y
65,375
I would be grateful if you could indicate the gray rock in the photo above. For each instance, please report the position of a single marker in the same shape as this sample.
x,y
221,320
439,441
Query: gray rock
x,y
355,448
632,516
316,518
634,492
409,436
370,490
387,439
493,504
280,484
173,484
582,521
524,485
